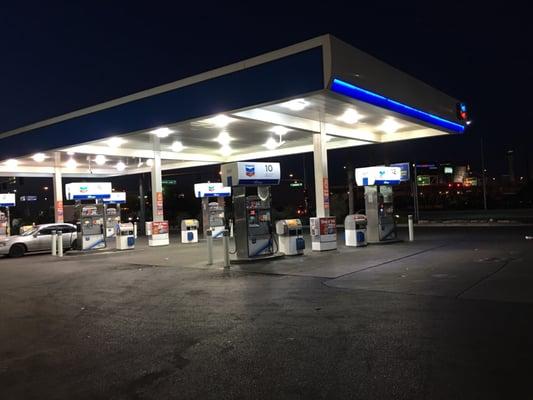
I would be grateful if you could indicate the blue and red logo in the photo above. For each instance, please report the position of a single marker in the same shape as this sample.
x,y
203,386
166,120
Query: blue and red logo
x,y
249,170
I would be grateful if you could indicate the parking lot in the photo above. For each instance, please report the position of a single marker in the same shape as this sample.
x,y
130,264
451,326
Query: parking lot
x,y
448,316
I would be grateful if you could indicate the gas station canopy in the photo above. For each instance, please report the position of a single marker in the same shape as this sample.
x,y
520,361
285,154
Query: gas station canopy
x,y
266,106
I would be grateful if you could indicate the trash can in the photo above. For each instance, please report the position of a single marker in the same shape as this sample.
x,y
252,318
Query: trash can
x,y
290,237
189,231
125,237
355,230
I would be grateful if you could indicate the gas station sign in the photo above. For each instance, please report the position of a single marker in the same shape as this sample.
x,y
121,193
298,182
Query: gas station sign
x,y
116,198
371,176
251,173
215,189
7,200
87,190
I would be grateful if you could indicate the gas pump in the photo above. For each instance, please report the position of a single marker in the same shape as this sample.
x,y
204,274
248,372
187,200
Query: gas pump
x,y
113,214
90,218
90,224
251,207
212,194
379,207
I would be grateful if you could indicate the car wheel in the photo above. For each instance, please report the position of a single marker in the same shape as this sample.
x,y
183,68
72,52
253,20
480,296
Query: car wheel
x,y
17,250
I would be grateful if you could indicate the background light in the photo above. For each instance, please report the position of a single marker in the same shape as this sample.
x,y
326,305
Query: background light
x,y
100,159
11,163
350,116
272,144
162,132
389,125
177,146
224,138
115,142
279,130
150,162
295,105
226,150
220,121
120,166
39,157
71,163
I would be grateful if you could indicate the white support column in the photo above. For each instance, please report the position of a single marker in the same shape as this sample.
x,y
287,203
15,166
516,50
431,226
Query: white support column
x,y
157,185
320,161
58,189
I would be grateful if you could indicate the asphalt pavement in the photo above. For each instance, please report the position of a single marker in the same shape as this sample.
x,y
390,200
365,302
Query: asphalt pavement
x,y
449,316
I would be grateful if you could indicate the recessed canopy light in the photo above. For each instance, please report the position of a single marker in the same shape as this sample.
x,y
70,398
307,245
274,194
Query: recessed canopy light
x,y
71,153
149,162
272,144
71,163
296,104
226,150
350,116
115,142
279,130
11,163
120,166
220,120
224,138
389,125
100,159
162,132
39,157
177,146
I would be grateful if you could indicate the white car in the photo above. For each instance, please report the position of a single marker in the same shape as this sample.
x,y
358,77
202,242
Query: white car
x,y
38,239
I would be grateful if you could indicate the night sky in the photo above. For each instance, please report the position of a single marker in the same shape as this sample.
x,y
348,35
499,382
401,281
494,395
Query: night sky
x,y
59,58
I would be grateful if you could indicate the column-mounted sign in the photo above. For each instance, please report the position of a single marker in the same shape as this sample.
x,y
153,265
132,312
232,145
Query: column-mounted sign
x,y
116,198
159,205
251,173
7,200
59,211
88,190
215,189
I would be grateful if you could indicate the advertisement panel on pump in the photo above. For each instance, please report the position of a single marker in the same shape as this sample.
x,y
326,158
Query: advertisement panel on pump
x,y
211,189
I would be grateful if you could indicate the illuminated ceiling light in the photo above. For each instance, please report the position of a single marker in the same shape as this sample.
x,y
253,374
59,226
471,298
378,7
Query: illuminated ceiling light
x,y
279,130
296,104
350,116
226,150
71,153
11,163
177,146
100,159
115,142
39,157
162,132
220,120
120,166
389,125
272,144
224,138
149,162
71,163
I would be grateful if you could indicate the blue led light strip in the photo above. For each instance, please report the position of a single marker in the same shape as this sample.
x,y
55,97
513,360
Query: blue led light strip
x,y
367,96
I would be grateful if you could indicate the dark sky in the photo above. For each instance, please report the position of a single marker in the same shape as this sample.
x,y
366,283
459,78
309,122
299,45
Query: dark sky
x,y
62,57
